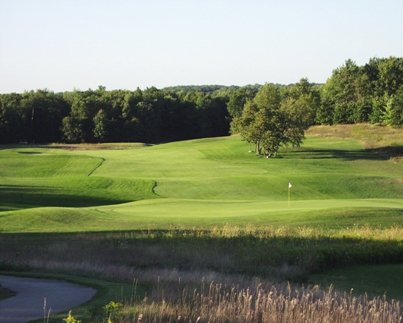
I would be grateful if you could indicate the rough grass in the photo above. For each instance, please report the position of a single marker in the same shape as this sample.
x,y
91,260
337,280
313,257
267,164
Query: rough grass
x,y
232,260
372,136
276,254
219,304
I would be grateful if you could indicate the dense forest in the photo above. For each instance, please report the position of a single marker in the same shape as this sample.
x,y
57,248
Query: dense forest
x,y
352,94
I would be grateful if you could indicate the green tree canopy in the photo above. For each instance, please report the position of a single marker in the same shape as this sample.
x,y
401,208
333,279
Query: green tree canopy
x,y
270,123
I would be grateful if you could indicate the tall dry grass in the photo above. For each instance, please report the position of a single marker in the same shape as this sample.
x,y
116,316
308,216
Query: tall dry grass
x,y
372,136
277,304
277,254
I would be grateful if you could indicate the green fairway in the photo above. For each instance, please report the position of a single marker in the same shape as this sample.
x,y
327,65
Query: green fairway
x,y
198,183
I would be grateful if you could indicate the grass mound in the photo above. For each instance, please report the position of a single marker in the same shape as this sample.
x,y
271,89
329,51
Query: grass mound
x,y
47,177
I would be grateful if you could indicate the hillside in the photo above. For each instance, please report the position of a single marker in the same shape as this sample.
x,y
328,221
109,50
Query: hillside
x,y
201,183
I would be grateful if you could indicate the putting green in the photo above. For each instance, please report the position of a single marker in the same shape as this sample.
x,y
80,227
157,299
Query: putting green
x,y
174,213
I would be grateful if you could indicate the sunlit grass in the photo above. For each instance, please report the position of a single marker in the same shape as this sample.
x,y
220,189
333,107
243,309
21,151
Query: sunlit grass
x,y
198,182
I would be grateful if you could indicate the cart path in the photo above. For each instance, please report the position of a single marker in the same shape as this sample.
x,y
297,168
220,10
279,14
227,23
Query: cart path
x,y
28,304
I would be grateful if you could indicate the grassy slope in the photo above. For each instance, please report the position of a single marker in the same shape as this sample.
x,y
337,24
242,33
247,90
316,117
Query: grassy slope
x,y
199,183
47,177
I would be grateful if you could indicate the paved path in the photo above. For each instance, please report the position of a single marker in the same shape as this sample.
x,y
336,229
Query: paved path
x,y
28,303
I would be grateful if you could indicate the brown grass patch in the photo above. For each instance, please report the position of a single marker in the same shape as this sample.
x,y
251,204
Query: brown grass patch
x,y
387,141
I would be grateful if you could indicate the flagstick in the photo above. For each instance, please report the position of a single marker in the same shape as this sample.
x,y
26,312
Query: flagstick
x,y
289,193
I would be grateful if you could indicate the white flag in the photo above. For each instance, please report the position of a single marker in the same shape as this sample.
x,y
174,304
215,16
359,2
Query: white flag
x,y
289,185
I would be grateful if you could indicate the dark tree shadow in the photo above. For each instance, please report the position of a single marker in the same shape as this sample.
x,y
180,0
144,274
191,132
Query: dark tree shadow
x,y
381,153
13,197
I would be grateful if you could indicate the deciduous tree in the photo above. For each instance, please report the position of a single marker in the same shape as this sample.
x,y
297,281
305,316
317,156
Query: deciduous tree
x,y
269,123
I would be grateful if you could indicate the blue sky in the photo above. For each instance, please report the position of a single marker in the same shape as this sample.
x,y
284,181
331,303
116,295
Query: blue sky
x,y
61,45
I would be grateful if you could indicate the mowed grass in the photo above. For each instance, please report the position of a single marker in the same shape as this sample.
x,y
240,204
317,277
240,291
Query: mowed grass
x,y
198,183
32,178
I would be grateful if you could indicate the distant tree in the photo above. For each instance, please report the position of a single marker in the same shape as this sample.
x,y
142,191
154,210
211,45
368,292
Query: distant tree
x,y
72,130
44,111
246,125
386,77
345,97
269,123
271,128
78,126
216,90
101,123
302,98
12,127
212,116
6,135
325,111
237,100
393,110
298,116
390,75
378,109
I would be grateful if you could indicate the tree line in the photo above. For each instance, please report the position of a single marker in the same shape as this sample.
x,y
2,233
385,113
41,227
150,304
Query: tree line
x,y
99,115
370,93
267,116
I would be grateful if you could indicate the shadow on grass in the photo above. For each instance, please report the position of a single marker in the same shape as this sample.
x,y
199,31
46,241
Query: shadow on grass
x,y
381,153
282,258
14,197
30,153
375,280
